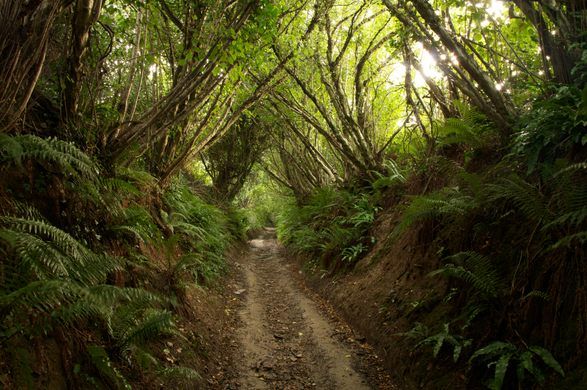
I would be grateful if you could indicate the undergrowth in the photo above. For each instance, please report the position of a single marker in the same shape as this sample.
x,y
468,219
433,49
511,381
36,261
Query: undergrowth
x,y
77,258
333,226
510,236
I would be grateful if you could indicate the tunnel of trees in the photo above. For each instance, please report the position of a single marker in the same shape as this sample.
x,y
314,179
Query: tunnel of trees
x,y
139,139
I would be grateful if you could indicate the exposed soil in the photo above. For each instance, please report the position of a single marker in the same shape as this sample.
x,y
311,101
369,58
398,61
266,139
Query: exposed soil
x,y
288,338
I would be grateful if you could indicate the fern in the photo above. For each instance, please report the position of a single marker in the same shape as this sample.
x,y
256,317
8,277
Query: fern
x,y
503,355
41,297
47,252
180,372
352,253
570,208
101,361
449,203
191,264
139,223
523,195
137,177
154,323
476,270
418,332
445,338
15,149
393,176
471,128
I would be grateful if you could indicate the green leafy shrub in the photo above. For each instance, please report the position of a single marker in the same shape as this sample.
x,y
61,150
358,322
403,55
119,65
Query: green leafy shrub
x,y
333,223
202,229
551,129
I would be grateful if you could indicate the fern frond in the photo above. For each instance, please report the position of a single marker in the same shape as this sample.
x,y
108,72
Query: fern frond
x,y
100,359
121,186
471,128
181,372
572,168
50,252
139,223
547,358
477,270
65,154
138,177
570,240
495,348
41,296
10,149
522,195
155,323
449,203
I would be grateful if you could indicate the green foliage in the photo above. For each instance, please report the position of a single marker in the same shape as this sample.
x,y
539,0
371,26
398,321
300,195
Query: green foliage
x,y
331,223
442,338
476,270
551,129
472,128
14,149
45,252
101,361
503,356
529,219
138,222
203,231
352,253
523,196
569,203
52,280
449,203
393,175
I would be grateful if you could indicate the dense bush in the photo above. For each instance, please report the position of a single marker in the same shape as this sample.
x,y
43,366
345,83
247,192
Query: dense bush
x,y
333,225
55,281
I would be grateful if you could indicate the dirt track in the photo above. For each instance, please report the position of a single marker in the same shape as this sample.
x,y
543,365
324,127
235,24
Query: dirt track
x,y
288,340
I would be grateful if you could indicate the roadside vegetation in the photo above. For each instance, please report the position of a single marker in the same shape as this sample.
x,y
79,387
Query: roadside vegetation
x,y
140,139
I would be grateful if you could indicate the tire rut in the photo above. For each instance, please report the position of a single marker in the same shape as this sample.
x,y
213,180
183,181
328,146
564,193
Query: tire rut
x,y
286,342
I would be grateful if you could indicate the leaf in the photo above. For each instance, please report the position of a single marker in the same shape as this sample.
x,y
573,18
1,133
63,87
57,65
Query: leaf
x,y
500,370
438,346
101,361
457,352
548,359
493,349
526,363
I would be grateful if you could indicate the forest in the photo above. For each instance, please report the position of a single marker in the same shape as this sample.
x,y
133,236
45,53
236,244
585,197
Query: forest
x,y
425,156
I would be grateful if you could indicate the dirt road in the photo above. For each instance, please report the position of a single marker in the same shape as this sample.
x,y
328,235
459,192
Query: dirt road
x,y
288,340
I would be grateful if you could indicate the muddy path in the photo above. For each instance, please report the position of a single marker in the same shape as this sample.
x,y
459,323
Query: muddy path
x,y
290,339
